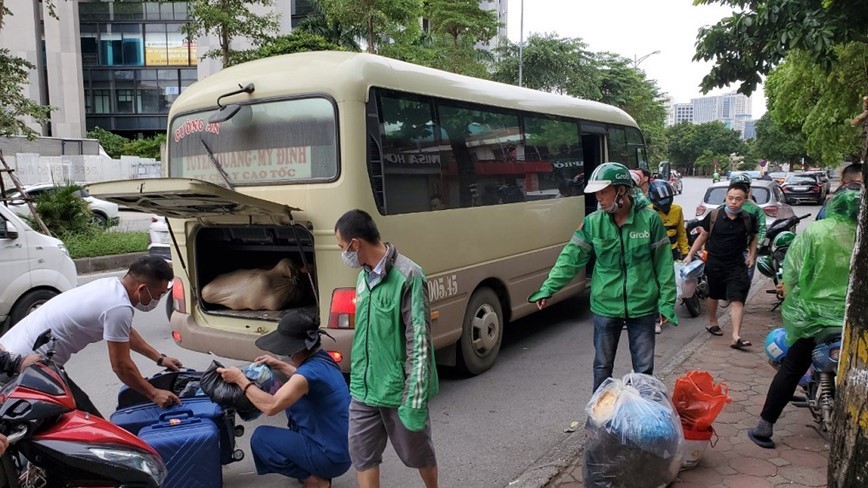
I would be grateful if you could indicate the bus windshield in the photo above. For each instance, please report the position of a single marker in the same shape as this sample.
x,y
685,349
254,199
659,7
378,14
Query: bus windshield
x,y
284,141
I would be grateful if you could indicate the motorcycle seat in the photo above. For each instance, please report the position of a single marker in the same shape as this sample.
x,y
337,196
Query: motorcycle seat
x,y
829,334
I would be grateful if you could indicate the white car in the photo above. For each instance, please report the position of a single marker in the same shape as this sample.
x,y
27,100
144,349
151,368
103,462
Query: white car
x,y
104,213
159,239
34,268
767,195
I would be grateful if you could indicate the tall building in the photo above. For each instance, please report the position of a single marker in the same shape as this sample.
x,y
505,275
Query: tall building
x,y
501,6
683,112
732,109
120,64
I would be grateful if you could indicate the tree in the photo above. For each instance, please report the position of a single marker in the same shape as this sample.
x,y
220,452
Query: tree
x,y
319,23
700,145
148,147
378,19
228,20
295,42
776,143
465,24
682,151
818,104
112,143
550,63
753,40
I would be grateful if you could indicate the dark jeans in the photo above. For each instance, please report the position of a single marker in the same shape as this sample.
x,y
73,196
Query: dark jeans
x,y
607,332
784,385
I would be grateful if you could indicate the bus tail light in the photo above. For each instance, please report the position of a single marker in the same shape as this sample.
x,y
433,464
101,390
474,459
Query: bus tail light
x,y
179,301
338,357
343,311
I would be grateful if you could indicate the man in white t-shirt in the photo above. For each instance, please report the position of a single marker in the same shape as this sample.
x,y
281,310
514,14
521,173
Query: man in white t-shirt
x,y
102,310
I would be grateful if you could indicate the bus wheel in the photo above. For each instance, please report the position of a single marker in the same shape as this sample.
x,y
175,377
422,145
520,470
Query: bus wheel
x,y
482,332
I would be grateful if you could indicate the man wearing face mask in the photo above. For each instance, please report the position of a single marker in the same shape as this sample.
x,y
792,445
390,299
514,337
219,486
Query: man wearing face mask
x,y
633,276
102,310
392,374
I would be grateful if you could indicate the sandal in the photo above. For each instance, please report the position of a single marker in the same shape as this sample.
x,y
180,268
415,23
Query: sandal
x,y
714,330
740,344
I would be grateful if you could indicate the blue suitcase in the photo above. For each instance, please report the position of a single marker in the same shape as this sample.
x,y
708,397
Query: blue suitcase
x,y
190,448
134,418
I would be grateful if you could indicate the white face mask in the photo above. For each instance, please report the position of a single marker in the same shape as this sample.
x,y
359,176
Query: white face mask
x,y
614,207
351,258
147,307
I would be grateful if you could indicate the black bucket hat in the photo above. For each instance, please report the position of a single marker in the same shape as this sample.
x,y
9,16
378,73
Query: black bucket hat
x,y
297,330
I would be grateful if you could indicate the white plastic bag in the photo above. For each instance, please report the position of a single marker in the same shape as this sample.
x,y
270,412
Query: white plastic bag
x,y
634,435
679,280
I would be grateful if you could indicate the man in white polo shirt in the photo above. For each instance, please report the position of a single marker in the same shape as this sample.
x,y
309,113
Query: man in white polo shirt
x,y
102,310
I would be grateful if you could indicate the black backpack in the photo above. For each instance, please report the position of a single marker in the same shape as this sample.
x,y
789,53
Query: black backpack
x,y
748,222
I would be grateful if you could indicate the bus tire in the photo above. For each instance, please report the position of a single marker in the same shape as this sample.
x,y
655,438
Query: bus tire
x,y
482,332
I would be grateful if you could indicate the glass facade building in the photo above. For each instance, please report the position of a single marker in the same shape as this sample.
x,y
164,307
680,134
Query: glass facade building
x,y
135,62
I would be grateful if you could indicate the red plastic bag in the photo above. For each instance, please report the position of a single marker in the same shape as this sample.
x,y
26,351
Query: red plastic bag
x,y
698,400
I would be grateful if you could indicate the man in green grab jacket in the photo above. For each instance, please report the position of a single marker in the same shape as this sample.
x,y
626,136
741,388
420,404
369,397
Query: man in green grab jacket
x,y
633,276
393,373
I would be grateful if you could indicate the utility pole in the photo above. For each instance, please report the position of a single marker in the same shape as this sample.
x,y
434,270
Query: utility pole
x,y
521,44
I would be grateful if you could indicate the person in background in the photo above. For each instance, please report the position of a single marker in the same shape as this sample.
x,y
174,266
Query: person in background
x,y
851,179
102,310
662,199
641,179
816,277
634,279
314,449
393,374
715,177
729,231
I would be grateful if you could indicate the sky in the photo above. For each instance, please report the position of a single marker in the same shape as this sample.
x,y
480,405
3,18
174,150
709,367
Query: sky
x,y
634,29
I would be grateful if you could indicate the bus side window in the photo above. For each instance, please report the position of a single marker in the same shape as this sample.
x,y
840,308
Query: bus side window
x,y
558,168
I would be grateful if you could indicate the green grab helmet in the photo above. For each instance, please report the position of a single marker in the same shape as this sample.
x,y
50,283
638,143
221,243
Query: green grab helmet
x,y
784,239
739,178
765,266
608,174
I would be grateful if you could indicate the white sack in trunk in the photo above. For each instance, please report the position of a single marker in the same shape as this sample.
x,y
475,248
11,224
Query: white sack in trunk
x,y
258,289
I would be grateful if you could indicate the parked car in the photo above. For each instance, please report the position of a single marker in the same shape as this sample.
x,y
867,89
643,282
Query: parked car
x,y
104,213
822,177
34,268
675,181
159,239
800,188
779,176
766,194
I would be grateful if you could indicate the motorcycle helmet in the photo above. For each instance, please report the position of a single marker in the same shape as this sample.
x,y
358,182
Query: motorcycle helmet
x,y
766,266
660,193
784,239
739,178
608,174
776,345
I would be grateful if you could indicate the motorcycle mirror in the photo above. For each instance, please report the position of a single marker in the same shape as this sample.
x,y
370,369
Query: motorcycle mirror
x,y
43,339
665,170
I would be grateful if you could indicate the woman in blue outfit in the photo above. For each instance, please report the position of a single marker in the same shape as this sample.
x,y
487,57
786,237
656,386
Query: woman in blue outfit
x,y
314,449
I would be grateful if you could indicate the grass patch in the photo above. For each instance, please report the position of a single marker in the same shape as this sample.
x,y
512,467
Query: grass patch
x,y
105,243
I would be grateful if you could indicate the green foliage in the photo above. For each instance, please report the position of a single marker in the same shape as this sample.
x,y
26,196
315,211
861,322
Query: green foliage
x,y
380,20
112,143
230,19
105,243
297,41
15,107
550,63
818,104
63,211
145,148
321,24
777,143
464,23
702,144
759,34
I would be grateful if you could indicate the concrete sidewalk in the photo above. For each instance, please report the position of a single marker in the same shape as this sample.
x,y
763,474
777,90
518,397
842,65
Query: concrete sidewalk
x,y
801,456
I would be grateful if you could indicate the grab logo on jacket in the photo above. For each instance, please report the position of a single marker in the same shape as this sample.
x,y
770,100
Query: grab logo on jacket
x,y
640,235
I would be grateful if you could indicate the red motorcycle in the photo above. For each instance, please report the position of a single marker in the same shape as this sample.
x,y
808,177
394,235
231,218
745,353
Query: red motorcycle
x,y
51,444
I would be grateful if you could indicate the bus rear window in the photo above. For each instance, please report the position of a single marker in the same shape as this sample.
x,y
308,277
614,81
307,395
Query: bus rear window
x,y
285,141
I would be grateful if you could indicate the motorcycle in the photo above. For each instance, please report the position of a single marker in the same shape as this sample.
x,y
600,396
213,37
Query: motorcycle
x,y
53,444
773,249
818,383
693,301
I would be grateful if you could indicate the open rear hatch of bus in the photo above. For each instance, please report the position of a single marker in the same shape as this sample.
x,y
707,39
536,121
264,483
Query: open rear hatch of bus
x,y
247,249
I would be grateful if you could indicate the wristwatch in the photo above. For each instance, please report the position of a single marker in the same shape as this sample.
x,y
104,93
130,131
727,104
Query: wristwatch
x,y
160,360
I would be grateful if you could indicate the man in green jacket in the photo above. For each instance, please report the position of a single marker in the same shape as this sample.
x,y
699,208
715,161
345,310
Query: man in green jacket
x,y
633,275
392,373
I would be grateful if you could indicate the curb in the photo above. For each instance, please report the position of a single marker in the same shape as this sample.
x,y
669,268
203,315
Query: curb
x,y
106,263
551,465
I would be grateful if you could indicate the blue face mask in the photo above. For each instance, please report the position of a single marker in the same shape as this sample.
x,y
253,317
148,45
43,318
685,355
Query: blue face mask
x,y
731,211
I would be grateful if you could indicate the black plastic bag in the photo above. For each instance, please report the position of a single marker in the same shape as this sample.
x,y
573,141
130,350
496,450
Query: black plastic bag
x,y
226,394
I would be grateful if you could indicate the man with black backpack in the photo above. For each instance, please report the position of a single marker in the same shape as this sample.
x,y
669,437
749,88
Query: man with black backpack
x,y
730,231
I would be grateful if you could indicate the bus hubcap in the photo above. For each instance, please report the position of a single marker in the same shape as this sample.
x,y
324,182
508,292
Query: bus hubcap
x,y
486,328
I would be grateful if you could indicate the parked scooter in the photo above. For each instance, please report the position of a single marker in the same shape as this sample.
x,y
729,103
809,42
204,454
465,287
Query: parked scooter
x,y
818,383
773,249
693,301
53,444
